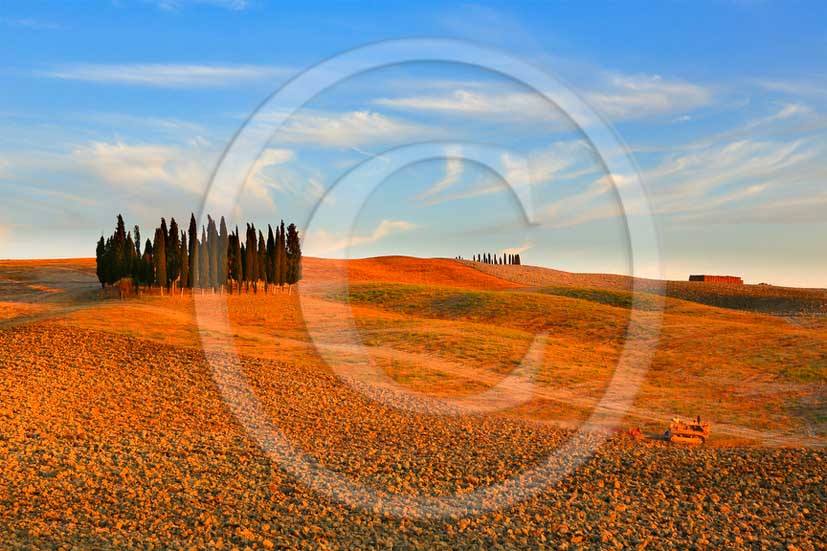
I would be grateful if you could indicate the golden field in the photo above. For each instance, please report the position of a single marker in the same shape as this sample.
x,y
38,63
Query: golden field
x,y
115,436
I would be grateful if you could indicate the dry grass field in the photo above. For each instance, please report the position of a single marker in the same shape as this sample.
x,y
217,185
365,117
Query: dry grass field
x,y
113,434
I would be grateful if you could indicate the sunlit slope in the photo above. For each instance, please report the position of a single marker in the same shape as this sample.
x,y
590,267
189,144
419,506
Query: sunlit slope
x,y
404,269
454,334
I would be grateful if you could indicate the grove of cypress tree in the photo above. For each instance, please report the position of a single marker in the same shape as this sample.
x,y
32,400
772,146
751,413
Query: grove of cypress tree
x,y
174,259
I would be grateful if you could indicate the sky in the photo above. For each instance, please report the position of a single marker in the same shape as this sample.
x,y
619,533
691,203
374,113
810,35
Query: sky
x,y
720,109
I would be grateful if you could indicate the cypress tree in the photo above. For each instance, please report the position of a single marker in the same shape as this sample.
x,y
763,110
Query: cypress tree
x,y
294,255
278,270
185,262
230,260
261,260
100,261
136,231
238,258
204,261
173,250
159,258
164,229
282,251
129,256
195,266
252,253
212,245
119,267
147,264
193,237
243,264
222,254
271,255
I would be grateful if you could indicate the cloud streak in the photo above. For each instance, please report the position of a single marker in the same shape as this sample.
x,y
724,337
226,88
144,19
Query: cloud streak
x,y
627,97
137,166
351,129
174,5
168,75
619,96
33,24
453,173
323,242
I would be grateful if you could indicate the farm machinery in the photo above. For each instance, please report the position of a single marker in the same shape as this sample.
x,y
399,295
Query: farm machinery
x,y
687,432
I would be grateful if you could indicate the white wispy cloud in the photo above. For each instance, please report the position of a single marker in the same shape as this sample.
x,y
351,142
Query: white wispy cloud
x,y
349,129
619,96
800,87
806,209
705,184
519,250
558,162
518,106
120,121
168,75
260,182
136,166
453,172
322,242
30,23
624,97
173,5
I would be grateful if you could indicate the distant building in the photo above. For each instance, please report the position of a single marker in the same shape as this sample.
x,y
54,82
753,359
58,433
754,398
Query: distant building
x,y
731,280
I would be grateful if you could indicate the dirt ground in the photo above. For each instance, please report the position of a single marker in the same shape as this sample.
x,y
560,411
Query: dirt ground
x,y
114,434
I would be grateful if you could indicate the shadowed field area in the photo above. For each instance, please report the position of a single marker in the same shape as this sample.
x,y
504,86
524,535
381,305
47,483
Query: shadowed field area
x,y
768,299
114,434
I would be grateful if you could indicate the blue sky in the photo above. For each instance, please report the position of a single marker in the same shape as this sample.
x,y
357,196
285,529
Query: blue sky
x,y
127,106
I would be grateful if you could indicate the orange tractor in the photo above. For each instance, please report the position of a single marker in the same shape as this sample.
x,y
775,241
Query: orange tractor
x,y
687,432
